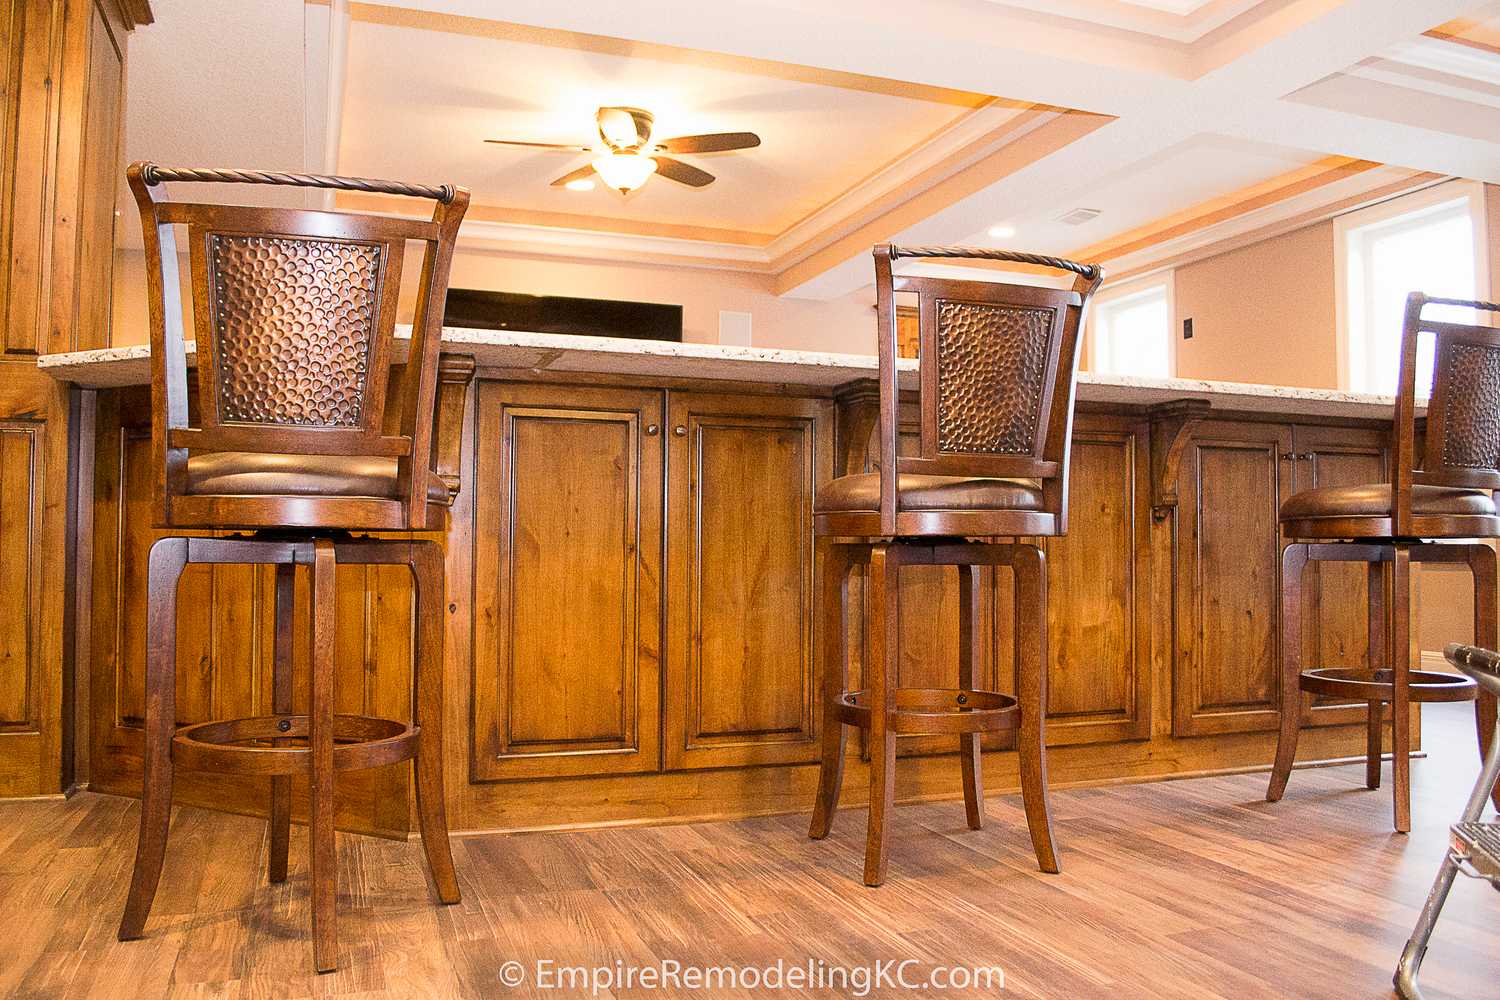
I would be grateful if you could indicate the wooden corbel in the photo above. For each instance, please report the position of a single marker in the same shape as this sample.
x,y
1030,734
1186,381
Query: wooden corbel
x,y
455,372
858,411
1172,424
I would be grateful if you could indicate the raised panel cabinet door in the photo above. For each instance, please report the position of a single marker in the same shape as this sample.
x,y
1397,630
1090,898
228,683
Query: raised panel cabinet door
x,y
1335,595
741,680
1231,482
567,581
33,571
1098,618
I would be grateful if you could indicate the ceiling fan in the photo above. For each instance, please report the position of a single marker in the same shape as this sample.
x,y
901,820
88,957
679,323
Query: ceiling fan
x,y
629,156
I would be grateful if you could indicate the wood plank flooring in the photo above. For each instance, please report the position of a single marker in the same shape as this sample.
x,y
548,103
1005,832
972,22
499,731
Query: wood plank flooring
x,y
1187,889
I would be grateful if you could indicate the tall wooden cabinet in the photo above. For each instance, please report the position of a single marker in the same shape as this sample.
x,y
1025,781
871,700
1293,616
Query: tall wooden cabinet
x,y
61,100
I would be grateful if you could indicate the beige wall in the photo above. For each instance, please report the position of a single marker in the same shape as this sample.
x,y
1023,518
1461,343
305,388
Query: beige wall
x,y
1262,313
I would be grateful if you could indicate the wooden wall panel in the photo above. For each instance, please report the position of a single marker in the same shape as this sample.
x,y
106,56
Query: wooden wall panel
x,y
91,92
34,36
1229,556
21,472
1099,645
35,577
568,550
741,677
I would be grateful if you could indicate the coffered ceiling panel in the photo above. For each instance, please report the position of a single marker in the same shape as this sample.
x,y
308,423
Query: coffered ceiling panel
x,y
1447,79
420,102
1201,168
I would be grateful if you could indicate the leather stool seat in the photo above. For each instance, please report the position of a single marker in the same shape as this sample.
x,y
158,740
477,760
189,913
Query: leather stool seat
x,y
245,473
1374,500
862,493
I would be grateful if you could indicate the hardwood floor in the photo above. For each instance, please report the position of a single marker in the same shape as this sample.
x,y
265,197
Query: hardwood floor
x,y
1192,889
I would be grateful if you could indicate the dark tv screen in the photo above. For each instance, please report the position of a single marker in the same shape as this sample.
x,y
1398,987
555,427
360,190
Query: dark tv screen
x,y
485,310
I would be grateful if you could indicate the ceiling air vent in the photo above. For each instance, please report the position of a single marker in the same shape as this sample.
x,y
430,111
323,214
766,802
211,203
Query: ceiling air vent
x,y
1079,216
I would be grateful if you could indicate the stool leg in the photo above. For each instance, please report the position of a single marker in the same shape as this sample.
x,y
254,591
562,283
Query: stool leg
x,y
1293,561
281,704
835,667
164,570
1401,687
1031,662
1482,563
427,569
320,740
968,743
1377,658
880,678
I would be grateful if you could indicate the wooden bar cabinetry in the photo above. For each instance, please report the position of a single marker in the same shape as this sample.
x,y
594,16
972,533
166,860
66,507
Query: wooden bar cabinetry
x,y
631,635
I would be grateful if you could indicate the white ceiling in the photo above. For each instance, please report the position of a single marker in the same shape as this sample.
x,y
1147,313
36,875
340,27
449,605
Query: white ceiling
x,y
1200,168
419,103
1207,97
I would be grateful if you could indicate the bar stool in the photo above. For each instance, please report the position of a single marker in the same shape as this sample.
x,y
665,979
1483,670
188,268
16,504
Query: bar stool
x,y
1431,512
1473,847
995,392
297,444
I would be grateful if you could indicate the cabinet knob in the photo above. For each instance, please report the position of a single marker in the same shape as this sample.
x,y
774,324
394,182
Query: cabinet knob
x,y
652,430
680,431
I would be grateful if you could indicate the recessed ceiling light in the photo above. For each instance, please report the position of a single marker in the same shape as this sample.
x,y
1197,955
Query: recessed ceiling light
x,y
1002,232
581,184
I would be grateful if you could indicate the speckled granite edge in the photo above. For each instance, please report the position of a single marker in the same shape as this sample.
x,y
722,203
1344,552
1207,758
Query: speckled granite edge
x,y
119,366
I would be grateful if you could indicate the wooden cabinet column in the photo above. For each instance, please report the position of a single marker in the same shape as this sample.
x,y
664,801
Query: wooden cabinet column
x,y
61,107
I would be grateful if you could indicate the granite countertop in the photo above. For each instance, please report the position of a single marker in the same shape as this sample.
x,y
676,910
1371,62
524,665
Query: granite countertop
x,y
121,366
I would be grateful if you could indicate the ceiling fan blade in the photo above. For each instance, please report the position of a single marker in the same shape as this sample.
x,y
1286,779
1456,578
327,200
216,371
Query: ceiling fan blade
x,y
540,145
587,170
682,173
717,142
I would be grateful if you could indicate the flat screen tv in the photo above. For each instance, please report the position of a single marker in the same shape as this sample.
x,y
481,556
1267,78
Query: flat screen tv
x,y
485,310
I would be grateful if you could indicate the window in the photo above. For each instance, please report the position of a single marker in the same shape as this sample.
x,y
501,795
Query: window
x,y
1132,330
1428,242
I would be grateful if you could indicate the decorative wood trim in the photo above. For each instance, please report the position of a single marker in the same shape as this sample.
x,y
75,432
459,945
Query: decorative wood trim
x,y
1216,210
858,405
1172,424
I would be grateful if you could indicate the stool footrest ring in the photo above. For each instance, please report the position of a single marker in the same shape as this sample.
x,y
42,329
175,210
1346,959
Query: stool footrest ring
x,y
934,711
1363,684
277,744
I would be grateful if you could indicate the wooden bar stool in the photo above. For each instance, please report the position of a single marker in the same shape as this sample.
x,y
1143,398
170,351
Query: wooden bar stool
x,y
1433,509
995,389
296,445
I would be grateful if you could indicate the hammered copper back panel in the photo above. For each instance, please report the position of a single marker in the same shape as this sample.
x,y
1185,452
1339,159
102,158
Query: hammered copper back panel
x,y
293,321
1471,429
991,362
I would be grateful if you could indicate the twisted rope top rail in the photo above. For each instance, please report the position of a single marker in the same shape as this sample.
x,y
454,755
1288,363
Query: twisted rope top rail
x,y
1089,271
153,175
1429,300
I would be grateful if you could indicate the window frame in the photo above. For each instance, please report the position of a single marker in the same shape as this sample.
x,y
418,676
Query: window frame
x,y
1133,288
1346,235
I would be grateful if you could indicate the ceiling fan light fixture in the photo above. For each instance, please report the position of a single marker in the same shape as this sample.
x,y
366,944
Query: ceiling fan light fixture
x,y
625,171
